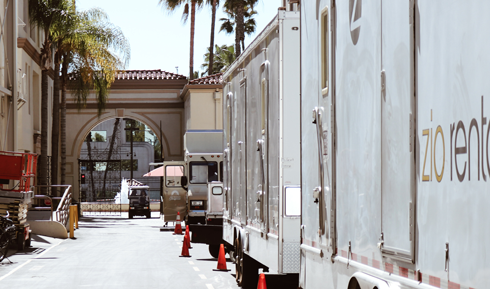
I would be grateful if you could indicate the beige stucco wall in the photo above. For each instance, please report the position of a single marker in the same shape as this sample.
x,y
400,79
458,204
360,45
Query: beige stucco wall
x,y
203,109
24,75
29,115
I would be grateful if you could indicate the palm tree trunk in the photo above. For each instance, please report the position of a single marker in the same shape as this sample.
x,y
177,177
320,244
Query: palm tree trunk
x,y
64,75
211,44
191,59
55,132
43,158
239,30
92,196
111,148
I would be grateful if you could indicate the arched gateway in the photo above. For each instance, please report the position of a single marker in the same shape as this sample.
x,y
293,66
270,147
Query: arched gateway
x,y
152,97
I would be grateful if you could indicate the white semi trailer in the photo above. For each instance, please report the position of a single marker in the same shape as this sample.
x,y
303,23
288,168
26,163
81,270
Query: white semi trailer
x,y
395,160
261,113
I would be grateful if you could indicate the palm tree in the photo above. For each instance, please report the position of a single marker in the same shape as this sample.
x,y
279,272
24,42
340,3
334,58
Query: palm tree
x,y
240,20
59,31
111,150
92,196
44,13
214,4
223,58
171,5
90,60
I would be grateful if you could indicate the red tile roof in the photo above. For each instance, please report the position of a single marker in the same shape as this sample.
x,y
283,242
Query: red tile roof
x,y
144,74
147,74
210,80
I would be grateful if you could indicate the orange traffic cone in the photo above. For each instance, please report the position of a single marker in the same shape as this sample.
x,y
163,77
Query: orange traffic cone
x,y
185,249
178,226
261,284
188,237
221,259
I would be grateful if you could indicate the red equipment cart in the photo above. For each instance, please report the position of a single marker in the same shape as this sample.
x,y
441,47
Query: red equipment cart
x,y
19,167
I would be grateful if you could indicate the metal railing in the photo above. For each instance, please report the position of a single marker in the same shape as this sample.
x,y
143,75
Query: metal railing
x,y
62,210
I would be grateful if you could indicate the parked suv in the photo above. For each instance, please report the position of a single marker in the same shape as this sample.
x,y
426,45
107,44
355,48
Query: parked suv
x,y
139,201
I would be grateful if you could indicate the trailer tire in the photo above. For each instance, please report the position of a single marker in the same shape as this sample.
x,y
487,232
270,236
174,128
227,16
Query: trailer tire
x,y
130,215
28,242
214,250
247,271
238,261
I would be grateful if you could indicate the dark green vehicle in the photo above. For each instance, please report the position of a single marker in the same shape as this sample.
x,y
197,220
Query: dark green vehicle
x,y
139,201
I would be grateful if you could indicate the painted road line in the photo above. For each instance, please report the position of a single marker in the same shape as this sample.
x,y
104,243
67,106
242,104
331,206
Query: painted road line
x,y
29,261
202,276
190,262
36,268
209,286
196,269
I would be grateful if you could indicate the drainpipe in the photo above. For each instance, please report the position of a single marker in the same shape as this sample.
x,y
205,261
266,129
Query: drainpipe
x,y
13,61
217,99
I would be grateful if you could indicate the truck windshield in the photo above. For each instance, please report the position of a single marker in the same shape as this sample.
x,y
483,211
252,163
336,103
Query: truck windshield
x,y
138,193
203,172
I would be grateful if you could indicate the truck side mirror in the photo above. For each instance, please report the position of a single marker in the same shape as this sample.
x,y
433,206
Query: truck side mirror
x,y
183,181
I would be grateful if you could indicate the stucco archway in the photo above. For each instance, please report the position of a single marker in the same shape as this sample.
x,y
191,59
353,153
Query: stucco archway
x,y
146,96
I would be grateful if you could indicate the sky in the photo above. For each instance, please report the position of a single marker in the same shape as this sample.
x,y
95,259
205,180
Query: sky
x,y
160,40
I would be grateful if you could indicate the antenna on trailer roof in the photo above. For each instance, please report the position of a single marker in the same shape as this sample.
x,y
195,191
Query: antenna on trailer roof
x,y
177,68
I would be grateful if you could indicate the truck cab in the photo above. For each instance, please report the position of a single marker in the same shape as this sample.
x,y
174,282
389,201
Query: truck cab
x,y
201,172
204,161
139,201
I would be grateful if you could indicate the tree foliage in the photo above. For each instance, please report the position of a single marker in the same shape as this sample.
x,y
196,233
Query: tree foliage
x,y
223,57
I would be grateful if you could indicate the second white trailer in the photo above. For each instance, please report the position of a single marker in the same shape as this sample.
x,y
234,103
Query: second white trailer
x,y
262,154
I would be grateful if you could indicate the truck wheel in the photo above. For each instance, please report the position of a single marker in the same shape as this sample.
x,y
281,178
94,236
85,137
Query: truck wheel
x,y
214,250
20,242
27,243
130,215
148,215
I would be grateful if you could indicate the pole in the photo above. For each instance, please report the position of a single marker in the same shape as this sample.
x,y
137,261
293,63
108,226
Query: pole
x,y
131,140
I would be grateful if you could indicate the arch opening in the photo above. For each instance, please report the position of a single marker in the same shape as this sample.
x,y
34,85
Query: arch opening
x,y
114,150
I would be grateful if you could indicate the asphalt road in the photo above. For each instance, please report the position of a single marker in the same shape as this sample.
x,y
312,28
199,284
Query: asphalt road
x,y
114,252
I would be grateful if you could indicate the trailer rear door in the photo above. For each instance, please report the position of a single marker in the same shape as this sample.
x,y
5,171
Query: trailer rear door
x,y
174,195
397,153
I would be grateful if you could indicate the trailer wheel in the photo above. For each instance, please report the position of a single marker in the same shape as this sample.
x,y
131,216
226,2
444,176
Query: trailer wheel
x,y
130,215
238,262
27,243
231,254
214,250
